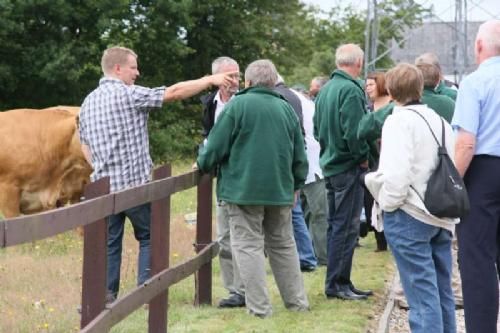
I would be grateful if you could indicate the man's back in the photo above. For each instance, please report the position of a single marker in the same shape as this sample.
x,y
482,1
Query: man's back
x,y
441,104
264,150
340,106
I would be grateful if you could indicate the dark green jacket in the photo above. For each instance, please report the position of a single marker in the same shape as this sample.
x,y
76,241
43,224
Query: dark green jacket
x,y
260,149
370,126
443,105
442,89
340,105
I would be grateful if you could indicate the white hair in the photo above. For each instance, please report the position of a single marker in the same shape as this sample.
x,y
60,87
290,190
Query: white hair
x,y
428,58
261,73
222,61
280,79
489,33
348,55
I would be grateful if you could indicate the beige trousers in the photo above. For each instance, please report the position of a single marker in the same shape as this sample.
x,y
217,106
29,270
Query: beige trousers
x,y
258,228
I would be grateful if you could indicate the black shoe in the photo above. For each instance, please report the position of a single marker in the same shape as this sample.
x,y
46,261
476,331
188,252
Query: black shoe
x,y
360,292
347,295
233,301
307,268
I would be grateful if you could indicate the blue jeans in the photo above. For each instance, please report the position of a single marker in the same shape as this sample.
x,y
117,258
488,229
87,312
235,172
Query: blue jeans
x,y
140,217
345,200
302,238
423,258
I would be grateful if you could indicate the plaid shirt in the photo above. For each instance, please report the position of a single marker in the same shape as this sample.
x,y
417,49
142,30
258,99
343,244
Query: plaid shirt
x,y
113,123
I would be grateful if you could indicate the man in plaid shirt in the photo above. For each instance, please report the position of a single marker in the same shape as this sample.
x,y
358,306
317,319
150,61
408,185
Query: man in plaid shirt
x,y
114,136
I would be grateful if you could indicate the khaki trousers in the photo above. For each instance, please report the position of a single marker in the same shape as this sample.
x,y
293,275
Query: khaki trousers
x,y
258,228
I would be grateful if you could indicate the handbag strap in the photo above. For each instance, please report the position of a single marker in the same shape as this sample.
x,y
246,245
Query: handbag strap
x,y
432,132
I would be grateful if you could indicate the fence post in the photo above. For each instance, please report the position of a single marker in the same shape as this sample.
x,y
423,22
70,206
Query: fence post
x,y
94,258
203,278
160,251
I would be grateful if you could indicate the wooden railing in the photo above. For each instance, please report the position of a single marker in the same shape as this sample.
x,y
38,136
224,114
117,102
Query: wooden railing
x,y
92,213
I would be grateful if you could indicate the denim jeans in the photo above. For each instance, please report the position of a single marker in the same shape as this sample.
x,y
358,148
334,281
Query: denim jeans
x,y
314,206
140,217
345,200
423,258
302,238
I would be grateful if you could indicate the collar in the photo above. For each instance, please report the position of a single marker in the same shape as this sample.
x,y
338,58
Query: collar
x,y
490,61
108,79
259,90
218,98
345,75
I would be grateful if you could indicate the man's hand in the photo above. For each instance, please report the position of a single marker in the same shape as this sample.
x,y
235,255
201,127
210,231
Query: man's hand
x,y
194,166
364,165
227,79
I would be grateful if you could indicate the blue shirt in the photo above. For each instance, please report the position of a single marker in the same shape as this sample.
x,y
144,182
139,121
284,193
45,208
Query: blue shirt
x,y
477,109
113,123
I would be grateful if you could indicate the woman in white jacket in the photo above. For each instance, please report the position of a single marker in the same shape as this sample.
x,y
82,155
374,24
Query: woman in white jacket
x,y
420,242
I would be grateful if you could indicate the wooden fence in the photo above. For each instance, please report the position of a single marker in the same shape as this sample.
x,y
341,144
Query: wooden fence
x,y
91,213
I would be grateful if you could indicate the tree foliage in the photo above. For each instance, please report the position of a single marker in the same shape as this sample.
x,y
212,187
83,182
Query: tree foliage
x,y
51,49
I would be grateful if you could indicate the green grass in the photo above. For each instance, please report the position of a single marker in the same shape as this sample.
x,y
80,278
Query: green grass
x,y
40,286
371,271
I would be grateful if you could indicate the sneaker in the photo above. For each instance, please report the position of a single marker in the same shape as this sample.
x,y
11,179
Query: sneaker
x,y
233,301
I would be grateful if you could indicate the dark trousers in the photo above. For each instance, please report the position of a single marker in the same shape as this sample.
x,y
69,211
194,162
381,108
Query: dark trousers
x,y
478,245
345,201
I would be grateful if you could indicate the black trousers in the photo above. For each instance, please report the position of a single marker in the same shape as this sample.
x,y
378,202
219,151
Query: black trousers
x,y
479,243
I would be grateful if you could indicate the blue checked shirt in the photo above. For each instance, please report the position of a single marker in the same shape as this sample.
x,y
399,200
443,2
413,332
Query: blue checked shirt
x,y
113,123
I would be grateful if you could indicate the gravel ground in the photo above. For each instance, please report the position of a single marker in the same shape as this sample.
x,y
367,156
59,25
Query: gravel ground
x,y
399,321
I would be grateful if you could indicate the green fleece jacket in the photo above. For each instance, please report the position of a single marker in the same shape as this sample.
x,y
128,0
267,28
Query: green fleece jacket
x,y
340,105
370,126
442,104
259,146
442,89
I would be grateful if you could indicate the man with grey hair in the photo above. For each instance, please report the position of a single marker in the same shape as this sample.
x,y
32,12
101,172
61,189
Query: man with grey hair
x,y
259,147
477,157
213,106
340,105
441,88
114,135
316,84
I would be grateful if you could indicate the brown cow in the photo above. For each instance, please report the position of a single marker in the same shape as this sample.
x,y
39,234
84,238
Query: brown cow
x,y
41,162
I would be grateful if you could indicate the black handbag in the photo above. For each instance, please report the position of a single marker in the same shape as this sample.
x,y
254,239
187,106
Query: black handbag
x,y
446,195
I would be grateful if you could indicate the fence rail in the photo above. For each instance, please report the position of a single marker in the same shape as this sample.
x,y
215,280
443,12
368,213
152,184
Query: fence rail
x,y
91,214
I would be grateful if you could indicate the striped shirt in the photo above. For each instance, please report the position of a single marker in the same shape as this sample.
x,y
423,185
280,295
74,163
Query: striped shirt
x,y
113,123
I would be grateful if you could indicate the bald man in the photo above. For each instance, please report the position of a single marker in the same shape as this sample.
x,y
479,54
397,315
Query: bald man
x,y
477,157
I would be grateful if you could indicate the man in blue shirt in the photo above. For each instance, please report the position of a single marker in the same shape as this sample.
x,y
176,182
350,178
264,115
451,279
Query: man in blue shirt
x,y
477,157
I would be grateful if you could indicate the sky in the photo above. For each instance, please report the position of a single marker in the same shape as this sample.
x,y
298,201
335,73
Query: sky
x,y
478,10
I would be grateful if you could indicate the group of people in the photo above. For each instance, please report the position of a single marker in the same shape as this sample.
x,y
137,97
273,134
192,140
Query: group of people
x,y
284,160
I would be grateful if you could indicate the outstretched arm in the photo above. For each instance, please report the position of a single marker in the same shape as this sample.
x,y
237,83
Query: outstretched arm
x,y
186,89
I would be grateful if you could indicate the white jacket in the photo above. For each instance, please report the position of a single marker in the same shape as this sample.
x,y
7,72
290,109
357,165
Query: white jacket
x,y
407,159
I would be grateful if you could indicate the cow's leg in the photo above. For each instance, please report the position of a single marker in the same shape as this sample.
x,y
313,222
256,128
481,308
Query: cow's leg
x,y
10,197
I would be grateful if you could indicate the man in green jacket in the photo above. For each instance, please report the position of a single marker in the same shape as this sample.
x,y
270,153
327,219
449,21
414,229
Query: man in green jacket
x,y
441,88
343,158
443,105
259,146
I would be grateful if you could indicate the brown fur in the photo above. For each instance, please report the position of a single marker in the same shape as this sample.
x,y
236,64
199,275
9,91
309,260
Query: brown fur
x,y
41,162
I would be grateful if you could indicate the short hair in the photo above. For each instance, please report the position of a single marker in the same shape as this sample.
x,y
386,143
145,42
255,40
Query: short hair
x,y
405,83
489,33
428,58
320,80
261,73
221,61
115,55
379,78
280,79
430,74
348,55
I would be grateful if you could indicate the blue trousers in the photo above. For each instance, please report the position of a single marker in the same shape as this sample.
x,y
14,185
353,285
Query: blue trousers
x,y
423,258
303,240
479,245
140,217
345,201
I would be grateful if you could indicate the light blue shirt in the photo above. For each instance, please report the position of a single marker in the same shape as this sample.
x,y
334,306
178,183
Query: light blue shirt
x,y
477,109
